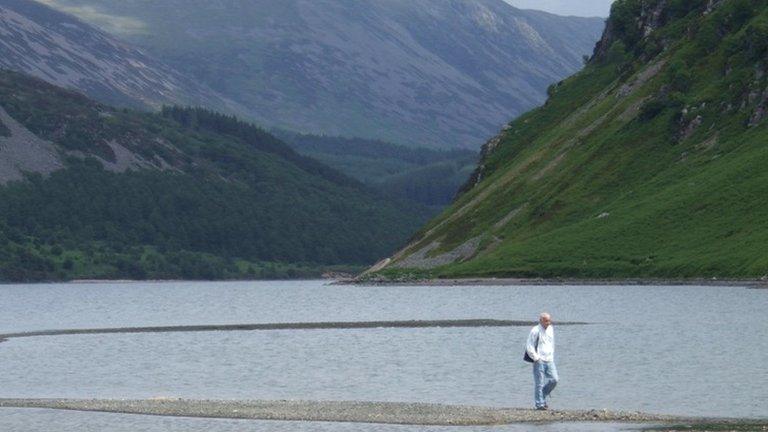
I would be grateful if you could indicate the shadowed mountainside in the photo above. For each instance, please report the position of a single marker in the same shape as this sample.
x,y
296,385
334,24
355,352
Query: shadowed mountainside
x,y
438,73
427,176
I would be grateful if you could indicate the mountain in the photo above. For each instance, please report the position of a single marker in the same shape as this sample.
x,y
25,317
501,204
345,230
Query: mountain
x,y
437,73
90,191
429,177
64,51
586,8
649,163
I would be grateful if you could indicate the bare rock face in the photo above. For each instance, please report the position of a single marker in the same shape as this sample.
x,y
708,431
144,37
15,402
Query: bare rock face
x,y
23,152
64,51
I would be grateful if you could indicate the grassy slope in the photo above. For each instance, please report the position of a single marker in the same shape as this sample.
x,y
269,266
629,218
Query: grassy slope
x,y
671,206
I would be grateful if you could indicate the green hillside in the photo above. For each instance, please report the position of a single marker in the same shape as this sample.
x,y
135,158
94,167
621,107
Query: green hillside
x,y
187,193
648,163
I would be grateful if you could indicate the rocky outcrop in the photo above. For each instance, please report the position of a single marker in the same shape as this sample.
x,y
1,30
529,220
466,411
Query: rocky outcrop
x,y
691,127
606,40
488,148
711,5
652,16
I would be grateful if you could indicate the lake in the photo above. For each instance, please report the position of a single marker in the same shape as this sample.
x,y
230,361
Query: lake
x,y
685,350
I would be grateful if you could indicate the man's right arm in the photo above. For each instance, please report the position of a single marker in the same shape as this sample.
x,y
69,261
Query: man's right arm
x,y
530,346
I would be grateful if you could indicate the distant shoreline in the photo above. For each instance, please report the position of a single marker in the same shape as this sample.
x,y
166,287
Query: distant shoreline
x,y
95,281
158,281
747,283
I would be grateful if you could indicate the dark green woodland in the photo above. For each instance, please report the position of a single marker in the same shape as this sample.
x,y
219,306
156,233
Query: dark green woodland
x,y
186,193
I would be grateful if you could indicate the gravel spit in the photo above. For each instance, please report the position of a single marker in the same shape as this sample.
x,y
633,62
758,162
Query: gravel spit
x,y
338,411
287,326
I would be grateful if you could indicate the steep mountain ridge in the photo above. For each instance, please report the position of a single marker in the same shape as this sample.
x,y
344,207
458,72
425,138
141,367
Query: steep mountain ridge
x,y
439,73
90,191
64,51
649,163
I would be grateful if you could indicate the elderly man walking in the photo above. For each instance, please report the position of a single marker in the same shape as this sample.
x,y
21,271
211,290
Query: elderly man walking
x,y
541,349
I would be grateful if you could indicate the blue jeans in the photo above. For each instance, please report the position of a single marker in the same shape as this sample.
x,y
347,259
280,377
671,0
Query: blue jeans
x,y
544,381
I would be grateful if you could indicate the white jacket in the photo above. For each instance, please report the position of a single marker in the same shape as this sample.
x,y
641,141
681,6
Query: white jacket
x,y
545,350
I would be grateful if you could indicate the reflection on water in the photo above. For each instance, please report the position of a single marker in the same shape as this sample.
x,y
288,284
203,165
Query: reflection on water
x,y
658,349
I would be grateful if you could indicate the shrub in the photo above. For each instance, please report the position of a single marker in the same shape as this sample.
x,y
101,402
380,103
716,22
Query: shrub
x,y
679,76
755,40
623,18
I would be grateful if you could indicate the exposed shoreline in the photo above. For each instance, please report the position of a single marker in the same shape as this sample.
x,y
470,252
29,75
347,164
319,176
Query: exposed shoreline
x,y
358,412
747,283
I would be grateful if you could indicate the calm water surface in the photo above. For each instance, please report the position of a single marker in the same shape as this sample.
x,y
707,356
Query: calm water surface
x,y
677,350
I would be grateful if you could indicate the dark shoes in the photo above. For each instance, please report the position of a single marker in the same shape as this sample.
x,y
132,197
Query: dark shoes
x,y
542,408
